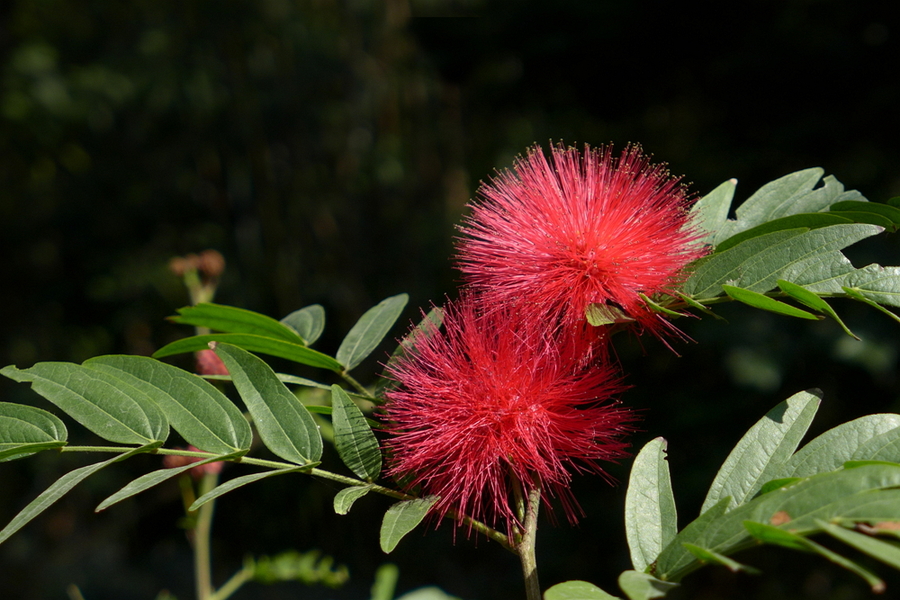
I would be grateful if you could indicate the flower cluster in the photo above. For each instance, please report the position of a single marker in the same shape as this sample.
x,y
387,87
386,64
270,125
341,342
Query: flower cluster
x,y
492,402
555,236
516,391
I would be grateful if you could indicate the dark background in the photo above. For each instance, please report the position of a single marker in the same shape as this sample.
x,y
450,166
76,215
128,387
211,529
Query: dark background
x,y
327,149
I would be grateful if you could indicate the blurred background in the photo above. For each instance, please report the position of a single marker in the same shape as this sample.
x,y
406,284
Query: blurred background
x,y
327,149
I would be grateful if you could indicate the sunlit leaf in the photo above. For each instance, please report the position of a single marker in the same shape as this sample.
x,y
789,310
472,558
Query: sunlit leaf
x,y
25,430
858,296
815,302
758,263
203,416
109,407
229,319
308,322
149,480
353,438
345,498
862,494
877,283
283,423
368,332
760,454
253,343
401,518
710,212
788,195
577,590
882,446
233,484
428,326
708,556
642,586
651,521
763,302
836,446
60,487
807,221
773,535
880,550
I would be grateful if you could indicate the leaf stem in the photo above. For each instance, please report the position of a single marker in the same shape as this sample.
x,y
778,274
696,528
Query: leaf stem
x,y
358,386
235,582
478,526
202,532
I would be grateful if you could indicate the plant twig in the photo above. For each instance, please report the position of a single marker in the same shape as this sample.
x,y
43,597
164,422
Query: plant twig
x,y
202,531
527,544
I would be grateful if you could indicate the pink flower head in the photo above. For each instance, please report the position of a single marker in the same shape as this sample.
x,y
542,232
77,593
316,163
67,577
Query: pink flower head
x,y
578,229
490,402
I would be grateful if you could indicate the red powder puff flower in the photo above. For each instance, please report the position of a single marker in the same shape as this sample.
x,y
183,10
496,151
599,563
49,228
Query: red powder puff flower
x,y
488,403
580,228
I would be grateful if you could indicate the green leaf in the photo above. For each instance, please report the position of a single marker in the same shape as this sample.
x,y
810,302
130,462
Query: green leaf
x,y
385,582
710,212
308,322
283,423
776,484
773,535
867,217
651,521
674,557
885,210
428,326
253,343
761,301
148,480
769,534
882,446
877,549
368,332
836,446
428,593
310,568
812,300
60,487
599,315
353,438
708,556
25,430
877,283
807,221
229,319
758,263
345,498
857,296
401,518
233,484
862,494
693,303
203,416
641,586
789,195
282,377
760,454
577,590
109,407
656,307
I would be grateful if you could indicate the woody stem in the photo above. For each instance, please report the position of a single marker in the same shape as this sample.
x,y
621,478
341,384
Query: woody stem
x,y
526,544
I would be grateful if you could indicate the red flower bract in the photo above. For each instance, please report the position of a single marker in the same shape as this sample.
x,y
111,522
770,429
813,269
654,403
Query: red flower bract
x,y
558,235
490,402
